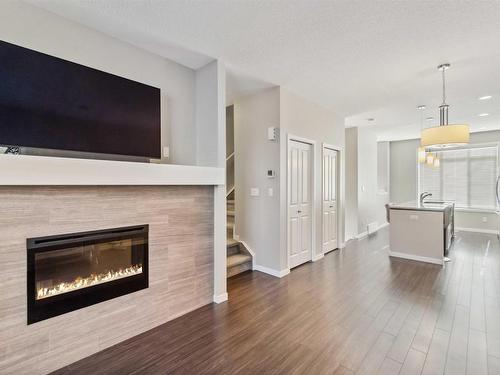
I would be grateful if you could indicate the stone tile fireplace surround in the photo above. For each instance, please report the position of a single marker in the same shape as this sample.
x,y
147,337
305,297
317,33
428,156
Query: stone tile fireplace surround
x,y
180,220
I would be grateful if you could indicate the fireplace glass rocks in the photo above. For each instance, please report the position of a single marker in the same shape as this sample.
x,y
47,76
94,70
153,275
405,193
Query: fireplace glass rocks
x,y
71,271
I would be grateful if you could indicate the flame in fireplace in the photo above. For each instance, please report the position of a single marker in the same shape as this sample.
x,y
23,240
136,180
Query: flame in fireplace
x,y
84,282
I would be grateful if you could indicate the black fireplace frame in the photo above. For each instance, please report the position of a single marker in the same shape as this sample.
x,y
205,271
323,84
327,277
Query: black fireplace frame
x,y
63,303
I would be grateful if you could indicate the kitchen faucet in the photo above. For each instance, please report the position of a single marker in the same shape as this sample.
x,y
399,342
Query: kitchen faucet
x,y
424,195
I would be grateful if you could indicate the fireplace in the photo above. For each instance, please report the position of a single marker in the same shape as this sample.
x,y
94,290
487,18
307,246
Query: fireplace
x,y
71,271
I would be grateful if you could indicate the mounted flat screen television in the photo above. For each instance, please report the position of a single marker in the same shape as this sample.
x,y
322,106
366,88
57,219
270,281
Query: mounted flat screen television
x,y
51,103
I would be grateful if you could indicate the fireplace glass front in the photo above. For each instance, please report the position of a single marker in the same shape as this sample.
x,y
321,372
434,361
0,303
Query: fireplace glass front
x,y
72,271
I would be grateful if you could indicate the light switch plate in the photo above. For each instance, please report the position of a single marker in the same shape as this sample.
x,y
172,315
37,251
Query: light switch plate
x,y
254,192
272,133
270,192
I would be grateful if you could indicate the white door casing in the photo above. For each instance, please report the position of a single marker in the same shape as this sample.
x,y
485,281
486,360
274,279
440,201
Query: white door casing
x,y
329,200
300,196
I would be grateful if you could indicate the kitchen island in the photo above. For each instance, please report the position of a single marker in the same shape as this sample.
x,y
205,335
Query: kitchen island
x,y
421,231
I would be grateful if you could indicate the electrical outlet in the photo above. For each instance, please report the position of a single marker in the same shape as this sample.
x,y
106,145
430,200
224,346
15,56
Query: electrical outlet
x,y
166,152
254,192
485,219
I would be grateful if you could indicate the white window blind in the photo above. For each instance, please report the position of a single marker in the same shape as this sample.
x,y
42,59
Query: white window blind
x,y
466,176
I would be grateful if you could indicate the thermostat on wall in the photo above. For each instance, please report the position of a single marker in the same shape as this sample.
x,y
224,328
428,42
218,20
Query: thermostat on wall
x,y
271,173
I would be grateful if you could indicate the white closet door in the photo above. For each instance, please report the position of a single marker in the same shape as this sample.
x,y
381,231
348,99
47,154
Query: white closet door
x,y
299,202
329,199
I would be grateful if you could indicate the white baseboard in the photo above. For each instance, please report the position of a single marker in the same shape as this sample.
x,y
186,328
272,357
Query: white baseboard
x,y
271,271
317,257
361,235
415,257
329,251
349,238
386,224
372,227
220,298
477,230
256,267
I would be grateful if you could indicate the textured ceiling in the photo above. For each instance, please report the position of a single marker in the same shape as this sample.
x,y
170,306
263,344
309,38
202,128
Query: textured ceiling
x,y
360,58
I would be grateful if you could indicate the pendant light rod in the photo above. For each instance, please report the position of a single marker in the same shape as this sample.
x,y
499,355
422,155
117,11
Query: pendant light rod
x,y
443,108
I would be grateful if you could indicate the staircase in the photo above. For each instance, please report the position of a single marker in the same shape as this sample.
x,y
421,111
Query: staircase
x,y
238,258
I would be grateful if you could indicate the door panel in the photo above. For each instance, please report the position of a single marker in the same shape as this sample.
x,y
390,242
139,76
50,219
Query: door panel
x,y
305,233
294,236
329,199
333,227
326,226
294,173
299,205
326,180
333,179
306,183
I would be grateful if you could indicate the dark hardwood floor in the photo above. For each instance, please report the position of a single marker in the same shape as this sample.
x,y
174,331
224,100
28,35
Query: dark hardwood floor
x,y
355,311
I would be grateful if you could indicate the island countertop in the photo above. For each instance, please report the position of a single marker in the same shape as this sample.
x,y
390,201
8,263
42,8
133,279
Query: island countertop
x,y
436,206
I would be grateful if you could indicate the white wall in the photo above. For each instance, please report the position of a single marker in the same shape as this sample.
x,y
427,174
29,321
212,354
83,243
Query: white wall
x,y
403,186
258,218
351,183
37,29
485,137
305,119
366,203
206,115
261,221
210,119
383,166
370,202
474,221
403,175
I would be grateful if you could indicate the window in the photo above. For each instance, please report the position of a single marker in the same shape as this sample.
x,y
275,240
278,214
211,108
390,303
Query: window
x,y
466,176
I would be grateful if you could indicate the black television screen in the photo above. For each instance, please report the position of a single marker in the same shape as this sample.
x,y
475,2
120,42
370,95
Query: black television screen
x,y
51,103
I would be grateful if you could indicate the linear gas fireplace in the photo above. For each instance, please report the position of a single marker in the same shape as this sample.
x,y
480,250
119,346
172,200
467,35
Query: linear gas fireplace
x,y
72,271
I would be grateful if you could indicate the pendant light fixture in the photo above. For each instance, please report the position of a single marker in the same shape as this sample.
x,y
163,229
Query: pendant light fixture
x,y
421,156
445,135
436,162
429,159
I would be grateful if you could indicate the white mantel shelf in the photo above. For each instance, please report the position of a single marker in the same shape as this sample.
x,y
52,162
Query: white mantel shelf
x,y
18,170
